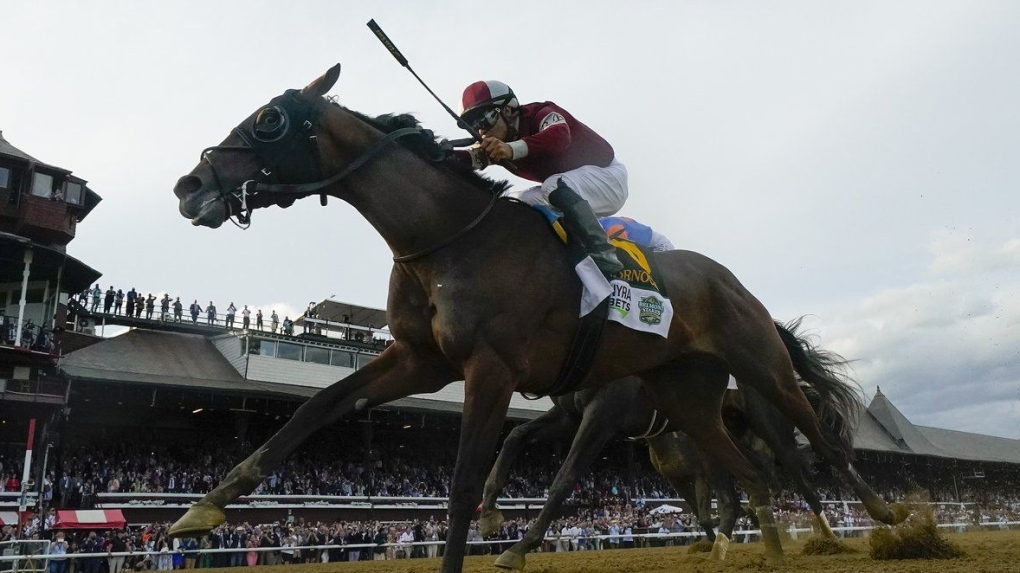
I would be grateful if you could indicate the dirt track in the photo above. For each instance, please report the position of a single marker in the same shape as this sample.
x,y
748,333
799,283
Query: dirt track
x,y
987,552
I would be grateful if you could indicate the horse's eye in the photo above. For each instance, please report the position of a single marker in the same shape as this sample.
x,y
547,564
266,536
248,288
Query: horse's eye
x,y
270,124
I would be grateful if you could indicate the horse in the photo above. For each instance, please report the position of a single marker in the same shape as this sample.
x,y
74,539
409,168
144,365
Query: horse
x,y
623,408
482,291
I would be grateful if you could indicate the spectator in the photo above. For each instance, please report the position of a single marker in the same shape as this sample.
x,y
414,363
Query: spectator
x,y
96,293
118,301
108,300
258,319
131,296
380,540
211,313
164,307
245,317
274,322
150,304
178,309
195,311
59,548
116,544
288,326
231,310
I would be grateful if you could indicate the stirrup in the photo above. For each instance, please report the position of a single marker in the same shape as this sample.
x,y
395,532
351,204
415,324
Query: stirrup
x,y
607,262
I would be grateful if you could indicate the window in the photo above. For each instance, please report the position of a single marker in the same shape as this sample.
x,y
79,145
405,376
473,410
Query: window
x,y
317,355
5,178
42,185
364,359
341,358
289,351
72,193
263,347
34,295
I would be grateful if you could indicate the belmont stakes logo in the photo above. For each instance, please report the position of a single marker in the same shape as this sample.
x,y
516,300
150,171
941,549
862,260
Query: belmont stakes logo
x,y
651,310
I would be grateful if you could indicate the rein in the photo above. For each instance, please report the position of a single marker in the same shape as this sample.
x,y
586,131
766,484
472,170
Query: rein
x,y
251,188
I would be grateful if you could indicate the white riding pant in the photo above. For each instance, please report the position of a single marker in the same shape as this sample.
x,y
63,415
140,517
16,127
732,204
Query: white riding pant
x,y
604,188
659,242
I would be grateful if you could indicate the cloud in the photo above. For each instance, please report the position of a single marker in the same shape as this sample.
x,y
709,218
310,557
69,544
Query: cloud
x,y
945,349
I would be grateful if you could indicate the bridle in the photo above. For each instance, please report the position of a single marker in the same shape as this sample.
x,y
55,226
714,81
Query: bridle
x,y
274,134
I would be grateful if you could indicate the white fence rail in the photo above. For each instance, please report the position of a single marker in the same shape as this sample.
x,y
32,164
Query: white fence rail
x,y
38,561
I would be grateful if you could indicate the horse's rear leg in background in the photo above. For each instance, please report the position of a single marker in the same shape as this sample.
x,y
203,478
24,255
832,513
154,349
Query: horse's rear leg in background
x,y
691,395
768,369
396,373
550,427
778,433
592,436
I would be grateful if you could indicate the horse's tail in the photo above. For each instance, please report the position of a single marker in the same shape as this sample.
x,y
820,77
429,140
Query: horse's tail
x,y
835,396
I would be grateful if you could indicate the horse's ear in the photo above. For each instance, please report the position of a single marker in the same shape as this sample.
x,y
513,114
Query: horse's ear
x,y
323,83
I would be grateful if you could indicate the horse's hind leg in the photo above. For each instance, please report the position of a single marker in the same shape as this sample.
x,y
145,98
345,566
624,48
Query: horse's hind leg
x,y
766,367
691,396
778,434
552,425
593,434
396,373
675,457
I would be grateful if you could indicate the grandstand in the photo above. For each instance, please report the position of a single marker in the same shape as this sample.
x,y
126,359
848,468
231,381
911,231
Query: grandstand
x,y
235,388
194,396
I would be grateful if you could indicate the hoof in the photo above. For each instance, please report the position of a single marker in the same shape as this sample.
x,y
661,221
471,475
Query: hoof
x,y
823,525
510,560
898,513
490,521
200,519
719,548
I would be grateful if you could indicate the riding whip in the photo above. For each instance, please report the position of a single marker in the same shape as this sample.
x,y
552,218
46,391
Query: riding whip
x,y
506,164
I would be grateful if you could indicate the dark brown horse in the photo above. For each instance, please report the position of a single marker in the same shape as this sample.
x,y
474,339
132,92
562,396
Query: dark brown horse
x,y
594,417
623,408
483,292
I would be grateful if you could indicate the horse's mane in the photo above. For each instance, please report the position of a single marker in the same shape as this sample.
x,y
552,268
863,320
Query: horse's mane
x,y
424,145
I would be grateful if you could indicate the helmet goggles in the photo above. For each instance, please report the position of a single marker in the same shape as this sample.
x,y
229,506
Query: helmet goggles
x,y
482,119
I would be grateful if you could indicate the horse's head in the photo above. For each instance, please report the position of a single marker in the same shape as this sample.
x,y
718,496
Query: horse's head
x,y
271,145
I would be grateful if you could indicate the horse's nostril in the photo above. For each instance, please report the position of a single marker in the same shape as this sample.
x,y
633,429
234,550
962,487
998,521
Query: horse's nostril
x,y
187,185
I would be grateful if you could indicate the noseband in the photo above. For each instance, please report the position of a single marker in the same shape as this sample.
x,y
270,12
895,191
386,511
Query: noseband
x,y
274,134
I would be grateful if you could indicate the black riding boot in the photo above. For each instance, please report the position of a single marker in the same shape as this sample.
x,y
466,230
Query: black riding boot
x,y
580,219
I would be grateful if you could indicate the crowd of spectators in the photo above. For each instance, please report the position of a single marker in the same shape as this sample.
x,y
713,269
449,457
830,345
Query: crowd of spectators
x,y
609,501
292,540
134,304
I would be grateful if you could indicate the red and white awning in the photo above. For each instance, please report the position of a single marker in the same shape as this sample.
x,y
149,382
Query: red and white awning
x,y
89,519
8,518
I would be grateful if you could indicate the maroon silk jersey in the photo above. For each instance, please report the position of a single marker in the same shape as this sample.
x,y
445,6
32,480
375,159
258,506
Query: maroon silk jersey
x,y
557,142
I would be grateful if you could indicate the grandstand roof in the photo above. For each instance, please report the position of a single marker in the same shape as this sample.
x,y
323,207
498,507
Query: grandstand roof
x,y
334,311
177,359
161,358
883,428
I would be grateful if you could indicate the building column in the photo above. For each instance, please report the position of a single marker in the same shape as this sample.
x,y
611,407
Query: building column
x,y
24,296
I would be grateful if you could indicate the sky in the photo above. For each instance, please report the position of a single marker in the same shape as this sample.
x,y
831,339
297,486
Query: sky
x,y
854,162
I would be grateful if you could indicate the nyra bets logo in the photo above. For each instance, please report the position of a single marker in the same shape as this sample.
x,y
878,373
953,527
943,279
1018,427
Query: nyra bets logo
x,y
651,309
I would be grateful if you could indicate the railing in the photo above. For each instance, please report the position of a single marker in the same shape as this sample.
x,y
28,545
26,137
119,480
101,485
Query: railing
x,y
183,500
748,535
23,555
333,330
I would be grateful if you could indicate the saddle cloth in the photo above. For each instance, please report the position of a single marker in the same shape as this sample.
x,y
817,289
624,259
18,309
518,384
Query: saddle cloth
x,y
637,296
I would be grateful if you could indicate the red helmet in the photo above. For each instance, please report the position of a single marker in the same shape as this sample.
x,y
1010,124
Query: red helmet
x,y
482,95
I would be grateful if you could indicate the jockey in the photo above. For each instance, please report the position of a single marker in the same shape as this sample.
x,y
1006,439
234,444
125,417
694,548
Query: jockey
x,y
576,169
630,230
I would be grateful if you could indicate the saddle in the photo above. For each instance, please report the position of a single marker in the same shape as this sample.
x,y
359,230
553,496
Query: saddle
x,y
634,297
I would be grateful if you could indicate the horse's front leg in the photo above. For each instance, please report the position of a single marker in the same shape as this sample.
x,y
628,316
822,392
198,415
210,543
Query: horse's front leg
x,y
488,386
595,432
552,425
398,372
